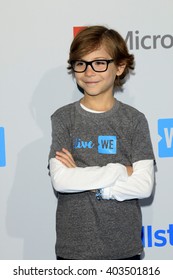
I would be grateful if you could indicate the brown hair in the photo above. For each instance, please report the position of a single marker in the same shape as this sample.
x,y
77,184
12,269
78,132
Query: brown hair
x,y
92,37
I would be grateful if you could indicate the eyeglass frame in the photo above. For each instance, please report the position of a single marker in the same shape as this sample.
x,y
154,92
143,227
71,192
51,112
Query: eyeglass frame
x,y
108,61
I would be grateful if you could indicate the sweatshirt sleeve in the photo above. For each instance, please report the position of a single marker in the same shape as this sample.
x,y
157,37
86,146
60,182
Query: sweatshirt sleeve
x,y
79,179
138,186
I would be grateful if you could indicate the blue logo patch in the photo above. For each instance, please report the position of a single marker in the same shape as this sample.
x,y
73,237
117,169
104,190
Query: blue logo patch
x,y
107,145
2,148
165,130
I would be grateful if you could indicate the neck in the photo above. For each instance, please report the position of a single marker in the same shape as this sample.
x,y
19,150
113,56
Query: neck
x,y
98,104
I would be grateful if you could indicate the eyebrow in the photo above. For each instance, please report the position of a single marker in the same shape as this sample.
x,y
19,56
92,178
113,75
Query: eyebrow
x,y
96,58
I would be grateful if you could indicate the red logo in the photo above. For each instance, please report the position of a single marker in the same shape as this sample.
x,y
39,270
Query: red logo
x,y
77,29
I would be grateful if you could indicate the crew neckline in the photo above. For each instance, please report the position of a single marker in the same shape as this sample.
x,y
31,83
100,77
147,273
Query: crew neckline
x,y
105,114
90,110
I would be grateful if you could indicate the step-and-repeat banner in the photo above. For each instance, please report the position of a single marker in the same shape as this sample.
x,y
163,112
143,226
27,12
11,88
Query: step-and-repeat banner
x,y
35,40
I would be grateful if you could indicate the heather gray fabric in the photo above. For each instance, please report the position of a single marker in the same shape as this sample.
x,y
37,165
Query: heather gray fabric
x,y
88,228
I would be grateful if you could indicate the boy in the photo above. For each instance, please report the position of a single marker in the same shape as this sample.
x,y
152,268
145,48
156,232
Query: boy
x,y
101,158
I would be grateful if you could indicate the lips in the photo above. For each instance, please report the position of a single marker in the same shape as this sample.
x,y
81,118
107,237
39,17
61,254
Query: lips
x,y
91,82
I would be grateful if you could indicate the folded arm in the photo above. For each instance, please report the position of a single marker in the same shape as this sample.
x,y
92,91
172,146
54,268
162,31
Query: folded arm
x,y
78,179
115,180
139,185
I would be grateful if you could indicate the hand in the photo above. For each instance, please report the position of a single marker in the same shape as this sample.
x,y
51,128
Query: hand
x,y
129,170
66,158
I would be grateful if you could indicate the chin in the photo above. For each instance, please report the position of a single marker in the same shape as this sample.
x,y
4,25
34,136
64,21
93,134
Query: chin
x,y
92,93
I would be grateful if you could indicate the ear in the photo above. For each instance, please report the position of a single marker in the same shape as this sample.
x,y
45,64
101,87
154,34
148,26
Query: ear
x,y
120,69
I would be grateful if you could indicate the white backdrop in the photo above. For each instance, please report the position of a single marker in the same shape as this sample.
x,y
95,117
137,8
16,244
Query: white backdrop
x,y
35,37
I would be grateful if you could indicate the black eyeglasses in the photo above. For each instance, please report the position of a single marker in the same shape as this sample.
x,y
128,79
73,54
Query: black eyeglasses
x,y
99,65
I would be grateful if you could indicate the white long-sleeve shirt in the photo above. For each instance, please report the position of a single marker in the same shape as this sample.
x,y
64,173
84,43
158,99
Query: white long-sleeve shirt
x,y
112,179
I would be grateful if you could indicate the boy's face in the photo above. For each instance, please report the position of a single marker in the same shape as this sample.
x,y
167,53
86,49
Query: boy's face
x,y
97,83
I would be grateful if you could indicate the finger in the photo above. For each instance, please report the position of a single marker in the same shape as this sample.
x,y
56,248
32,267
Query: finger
x,y
129,170
63,155
68,154
64,158
66,162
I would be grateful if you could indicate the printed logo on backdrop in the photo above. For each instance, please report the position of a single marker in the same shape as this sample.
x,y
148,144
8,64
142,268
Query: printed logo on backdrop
x,y
77,29
165,131
2,147
137,40
158,237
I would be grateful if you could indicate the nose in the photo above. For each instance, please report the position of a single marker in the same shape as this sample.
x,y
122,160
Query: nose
x,y
89,71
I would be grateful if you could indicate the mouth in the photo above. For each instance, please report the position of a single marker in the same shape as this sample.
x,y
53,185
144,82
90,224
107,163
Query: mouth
x,y
91,83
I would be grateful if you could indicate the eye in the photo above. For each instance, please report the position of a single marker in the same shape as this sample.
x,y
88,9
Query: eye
x,y
79,63
100,62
